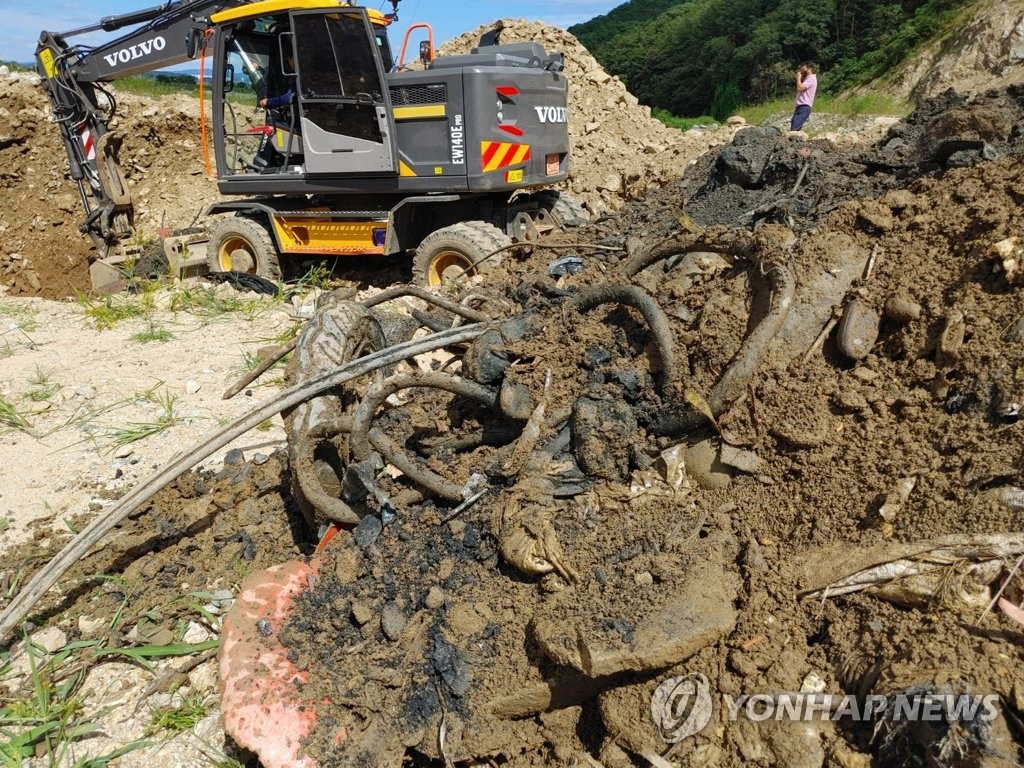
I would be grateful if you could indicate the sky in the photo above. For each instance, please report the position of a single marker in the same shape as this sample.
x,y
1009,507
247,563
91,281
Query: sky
x,y
22,21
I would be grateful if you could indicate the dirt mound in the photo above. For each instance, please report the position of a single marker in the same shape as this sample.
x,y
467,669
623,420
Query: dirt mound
x,y
624,539
985,51
618,150
43,252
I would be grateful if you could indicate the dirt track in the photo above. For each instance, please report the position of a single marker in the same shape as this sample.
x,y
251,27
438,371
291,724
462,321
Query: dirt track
x,y
781,498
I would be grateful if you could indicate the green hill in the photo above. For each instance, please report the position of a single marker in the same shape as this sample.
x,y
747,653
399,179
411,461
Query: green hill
x,y
696,57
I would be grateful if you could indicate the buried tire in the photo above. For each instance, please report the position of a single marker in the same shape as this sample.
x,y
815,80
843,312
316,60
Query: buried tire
x,y
464,248
338,333
566,210
242,244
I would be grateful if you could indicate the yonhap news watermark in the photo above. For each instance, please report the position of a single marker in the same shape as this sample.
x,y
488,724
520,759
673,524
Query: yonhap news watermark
x,y
683,706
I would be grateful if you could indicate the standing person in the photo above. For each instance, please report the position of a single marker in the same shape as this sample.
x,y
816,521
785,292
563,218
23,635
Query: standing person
x,y
806,87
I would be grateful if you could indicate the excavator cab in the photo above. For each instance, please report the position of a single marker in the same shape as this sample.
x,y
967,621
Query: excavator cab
x,y
322,71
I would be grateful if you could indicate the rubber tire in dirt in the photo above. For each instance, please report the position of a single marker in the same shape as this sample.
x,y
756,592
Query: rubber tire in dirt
x,y
449,252
242,244
336,334
567,211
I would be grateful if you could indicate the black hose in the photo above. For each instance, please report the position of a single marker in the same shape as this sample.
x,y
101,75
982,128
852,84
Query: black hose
x,y
422,293
663,250
635,297
360,440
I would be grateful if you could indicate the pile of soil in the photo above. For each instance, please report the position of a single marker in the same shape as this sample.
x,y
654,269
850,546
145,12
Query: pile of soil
x,y
424,633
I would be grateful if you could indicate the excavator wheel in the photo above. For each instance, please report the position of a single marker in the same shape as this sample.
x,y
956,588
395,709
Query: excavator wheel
x,y
567,211
243,244
464,248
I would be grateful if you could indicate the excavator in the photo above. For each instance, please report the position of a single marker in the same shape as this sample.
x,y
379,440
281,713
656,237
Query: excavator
x,y
452,159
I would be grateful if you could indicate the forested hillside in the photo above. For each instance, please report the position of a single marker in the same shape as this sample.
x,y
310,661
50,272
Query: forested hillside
x,y
695,57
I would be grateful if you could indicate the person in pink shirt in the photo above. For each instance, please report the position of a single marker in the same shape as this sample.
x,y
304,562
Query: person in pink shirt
x,y
806,87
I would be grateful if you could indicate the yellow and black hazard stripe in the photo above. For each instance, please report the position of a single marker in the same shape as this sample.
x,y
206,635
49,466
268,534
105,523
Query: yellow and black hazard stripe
x,y
496,155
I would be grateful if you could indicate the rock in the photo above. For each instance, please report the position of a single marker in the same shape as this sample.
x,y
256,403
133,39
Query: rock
x,y
851,400
392,621
50,639
902,308
857,331
90,627
368,531
234,457
603,433
744,162
4,70
192,386
736,121
124,452
84,391
1013,497
876,216
703,465
361,614
259,459
434,598
643,579
744,461
196,633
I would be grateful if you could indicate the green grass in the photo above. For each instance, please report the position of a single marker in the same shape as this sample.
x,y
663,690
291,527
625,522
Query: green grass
x,y
20,315
152,333
107,312
140,430
208,303
681,123
178,718
11,417
41,386
862,104
45,718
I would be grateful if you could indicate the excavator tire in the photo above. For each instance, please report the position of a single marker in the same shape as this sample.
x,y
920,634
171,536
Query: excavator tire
x,y
464,248
243,244
567,211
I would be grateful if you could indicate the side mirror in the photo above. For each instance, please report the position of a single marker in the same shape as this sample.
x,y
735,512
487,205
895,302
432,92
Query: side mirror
x,y
426,52
194,43
229,78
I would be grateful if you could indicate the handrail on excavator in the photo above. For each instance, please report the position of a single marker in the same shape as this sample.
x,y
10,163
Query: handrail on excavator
x,y
429,52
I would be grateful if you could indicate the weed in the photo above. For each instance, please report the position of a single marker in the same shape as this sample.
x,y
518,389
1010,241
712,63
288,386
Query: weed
x,y
175,719
11,418
47,719
140,430
19,314
317,276
265,426
152,333
209,303
108,312
42,387
681,123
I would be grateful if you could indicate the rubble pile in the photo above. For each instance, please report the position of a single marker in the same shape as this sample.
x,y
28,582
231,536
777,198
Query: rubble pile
x,y
722,447
759,430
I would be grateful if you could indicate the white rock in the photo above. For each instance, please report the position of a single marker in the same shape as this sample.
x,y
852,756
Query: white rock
x,y
124,452
51,639
196,633
192,386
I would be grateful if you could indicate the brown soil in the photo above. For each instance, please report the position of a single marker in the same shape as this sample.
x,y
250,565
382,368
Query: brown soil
x,y
429,629
429,643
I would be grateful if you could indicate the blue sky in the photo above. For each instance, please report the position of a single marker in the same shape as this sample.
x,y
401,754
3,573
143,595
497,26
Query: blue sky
x,y
22,21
